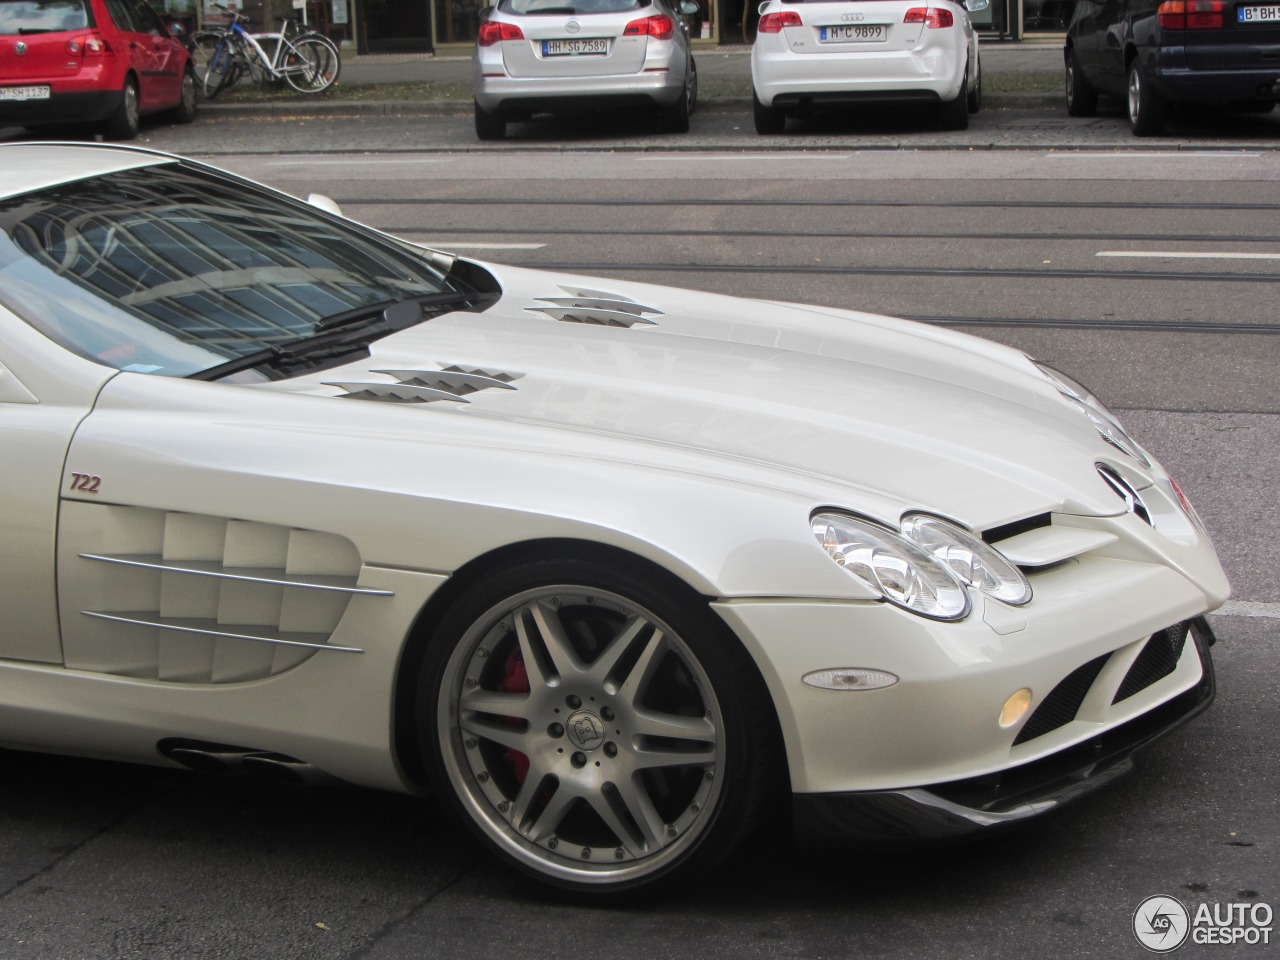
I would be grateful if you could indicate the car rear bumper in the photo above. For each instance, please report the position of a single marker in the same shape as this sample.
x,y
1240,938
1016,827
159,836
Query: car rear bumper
x,y
61,108
782,78
966,807
535,95
1217,76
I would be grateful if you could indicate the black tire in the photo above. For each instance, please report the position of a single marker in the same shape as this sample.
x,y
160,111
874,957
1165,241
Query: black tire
x,y
1082,99
769,120
675,118
124,120
1147,110
202,45
489,126
185,111
596,725
220,69
313,64
975,92
954,114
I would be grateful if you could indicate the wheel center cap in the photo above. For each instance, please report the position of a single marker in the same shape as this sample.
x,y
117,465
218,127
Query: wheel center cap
x,y
585,730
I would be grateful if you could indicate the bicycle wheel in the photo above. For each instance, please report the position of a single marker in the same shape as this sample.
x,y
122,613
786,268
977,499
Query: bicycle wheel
x,y
311,64
203,46
220,70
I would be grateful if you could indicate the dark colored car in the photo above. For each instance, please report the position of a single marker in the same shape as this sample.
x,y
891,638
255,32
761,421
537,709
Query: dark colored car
x,y
93,62
1154,53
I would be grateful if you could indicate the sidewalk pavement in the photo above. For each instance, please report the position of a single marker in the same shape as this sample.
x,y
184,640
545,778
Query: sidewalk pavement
x,y
449,74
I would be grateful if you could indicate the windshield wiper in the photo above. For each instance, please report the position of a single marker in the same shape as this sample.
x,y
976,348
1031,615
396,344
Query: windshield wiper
x,y
341,334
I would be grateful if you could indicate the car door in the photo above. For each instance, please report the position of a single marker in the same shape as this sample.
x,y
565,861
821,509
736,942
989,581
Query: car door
x,y
41,404
150,51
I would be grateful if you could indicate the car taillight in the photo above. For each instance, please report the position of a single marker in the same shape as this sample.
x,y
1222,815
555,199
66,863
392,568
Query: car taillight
x,y
931,17
494,32
774,22
89,45
1190,14
659,27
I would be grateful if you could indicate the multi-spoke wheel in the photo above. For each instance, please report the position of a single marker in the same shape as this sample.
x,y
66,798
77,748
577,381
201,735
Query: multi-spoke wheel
x,y
311,64
596,733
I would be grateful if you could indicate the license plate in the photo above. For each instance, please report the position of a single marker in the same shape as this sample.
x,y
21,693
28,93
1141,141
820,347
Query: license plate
x,y
24,93
574,48
1257,14
861,32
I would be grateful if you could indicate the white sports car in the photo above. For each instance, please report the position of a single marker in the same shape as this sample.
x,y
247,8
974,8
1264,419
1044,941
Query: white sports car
x,y
819,54
611,567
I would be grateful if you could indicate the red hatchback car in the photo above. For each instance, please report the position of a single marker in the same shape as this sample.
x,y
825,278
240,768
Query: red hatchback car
x,y
100,62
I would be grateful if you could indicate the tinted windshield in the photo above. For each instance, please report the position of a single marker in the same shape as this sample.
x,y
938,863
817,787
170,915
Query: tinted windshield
x,y
170,270
42,16
570,7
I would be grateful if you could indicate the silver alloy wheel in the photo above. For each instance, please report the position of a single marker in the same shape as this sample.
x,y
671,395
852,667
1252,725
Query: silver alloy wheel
x,y
131,105
581,734
1135,95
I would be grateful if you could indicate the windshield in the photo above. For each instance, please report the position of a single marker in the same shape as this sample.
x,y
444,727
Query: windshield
x,y
170,270
42,16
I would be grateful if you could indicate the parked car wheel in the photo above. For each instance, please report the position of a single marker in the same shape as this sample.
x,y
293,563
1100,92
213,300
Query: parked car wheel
x,y
597,727
769,120
975,93
185,111
123,123
489,126
954,114
675,118
1146,109
1082,99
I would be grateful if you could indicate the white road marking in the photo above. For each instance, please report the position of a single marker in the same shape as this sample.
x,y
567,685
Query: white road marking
x,y
1142,155
449,245
686,157
1187,255
352,161
1249,608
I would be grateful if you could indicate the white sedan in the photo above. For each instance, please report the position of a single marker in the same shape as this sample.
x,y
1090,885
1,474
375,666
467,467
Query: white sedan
x,y
820,54
610,567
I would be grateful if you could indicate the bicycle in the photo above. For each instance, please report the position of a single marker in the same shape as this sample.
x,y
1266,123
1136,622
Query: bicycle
x,y
308,62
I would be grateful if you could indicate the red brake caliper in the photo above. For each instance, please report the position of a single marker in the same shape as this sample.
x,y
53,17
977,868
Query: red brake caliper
x,y
515,680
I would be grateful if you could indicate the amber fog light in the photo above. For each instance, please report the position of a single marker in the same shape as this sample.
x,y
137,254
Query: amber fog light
x,y
1015,708
849,678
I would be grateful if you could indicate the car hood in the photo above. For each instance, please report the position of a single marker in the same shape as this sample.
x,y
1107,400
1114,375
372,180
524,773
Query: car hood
x,y
860,411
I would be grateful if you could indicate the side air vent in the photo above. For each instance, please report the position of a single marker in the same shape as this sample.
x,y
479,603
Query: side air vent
x,y
452,383
1158,659
1063,702
596,307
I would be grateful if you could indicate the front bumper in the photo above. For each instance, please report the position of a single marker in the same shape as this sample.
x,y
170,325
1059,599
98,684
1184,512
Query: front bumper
x,y
979,804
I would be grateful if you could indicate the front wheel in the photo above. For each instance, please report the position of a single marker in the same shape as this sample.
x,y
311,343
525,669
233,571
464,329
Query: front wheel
x,y
311,65
598,727
1082,99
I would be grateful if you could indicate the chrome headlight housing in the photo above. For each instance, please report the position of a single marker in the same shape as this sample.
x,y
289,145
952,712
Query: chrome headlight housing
x,y
1103,420
901,572
969,558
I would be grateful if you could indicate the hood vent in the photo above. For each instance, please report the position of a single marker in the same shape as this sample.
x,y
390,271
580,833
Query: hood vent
x,y
596,307
423,386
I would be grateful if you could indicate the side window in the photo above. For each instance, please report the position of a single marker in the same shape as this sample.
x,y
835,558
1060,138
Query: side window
x,y
119,13
146,18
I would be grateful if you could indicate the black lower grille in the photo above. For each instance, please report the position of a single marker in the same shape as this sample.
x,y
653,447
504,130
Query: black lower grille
x,y
1156,661
1061,705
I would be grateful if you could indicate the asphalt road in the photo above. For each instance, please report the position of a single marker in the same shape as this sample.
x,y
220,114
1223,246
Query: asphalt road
x,y
1151,276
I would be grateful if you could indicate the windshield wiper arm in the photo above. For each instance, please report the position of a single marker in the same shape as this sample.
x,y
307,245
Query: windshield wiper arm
x,y
405,312
341,334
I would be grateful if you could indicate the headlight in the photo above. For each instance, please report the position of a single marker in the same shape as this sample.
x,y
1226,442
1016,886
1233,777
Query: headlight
x,y
1103,420
971,560
901,572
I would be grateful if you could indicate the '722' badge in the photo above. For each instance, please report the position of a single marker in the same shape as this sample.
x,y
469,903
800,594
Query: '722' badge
x,y
85,482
